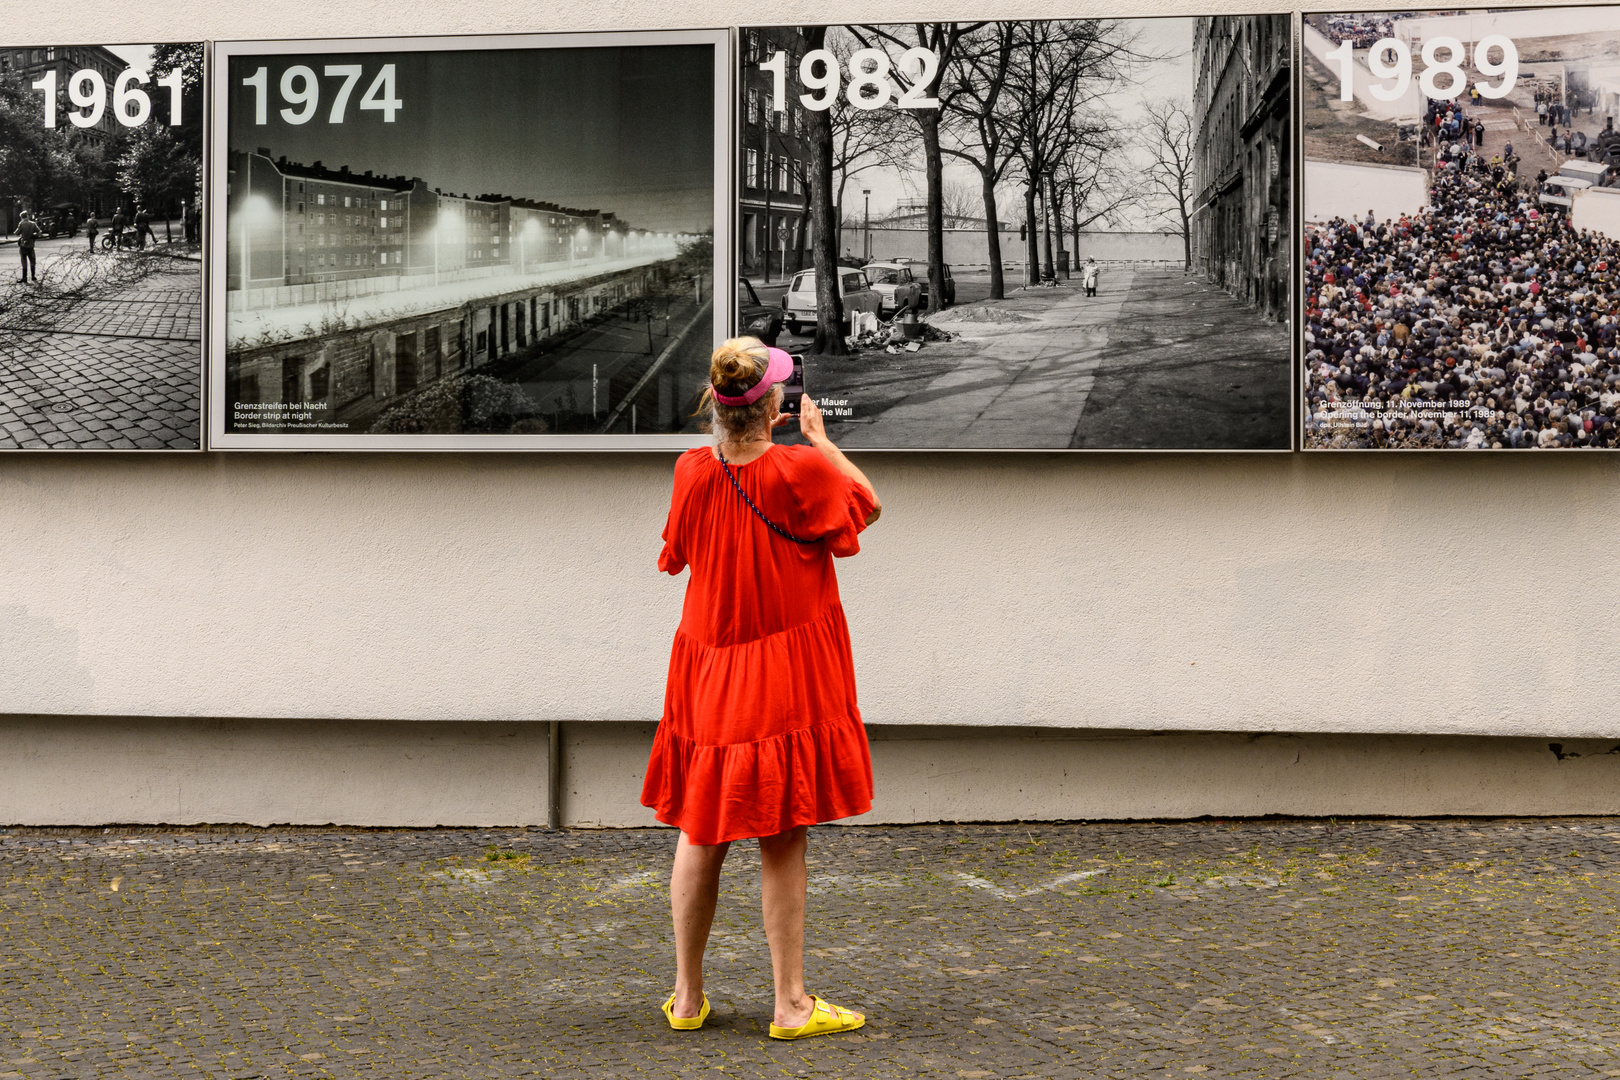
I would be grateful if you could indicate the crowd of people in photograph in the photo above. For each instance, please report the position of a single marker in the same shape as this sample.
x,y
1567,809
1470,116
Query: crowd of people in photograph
x,y
1484,321
1362,30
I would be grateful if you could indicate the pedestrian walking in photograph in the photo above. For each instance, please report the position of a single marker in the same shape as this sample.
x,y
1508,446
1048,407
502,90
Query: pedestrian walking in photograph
x,y
27,233
1088,277
761,736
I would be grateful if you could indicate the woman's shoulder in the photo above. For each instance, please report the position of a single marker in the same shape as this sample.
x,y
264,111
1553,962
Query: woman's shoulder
x,y
803,462
692,459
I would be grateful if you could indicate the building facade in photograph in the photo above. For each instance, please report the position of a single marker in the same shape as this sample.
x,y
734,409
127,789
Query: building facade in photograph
x,y
298,225
33,62
1240,225
774,214
27,65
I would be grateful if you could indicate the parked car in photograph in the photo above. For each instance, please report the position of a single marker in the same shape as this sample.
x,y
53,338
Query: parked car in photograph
x,y
920,272
895,285
799,302
754,318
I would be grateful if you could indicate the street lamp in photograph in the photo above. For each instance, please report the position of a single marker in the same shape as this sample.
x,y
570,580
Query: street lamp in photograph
x,y
255,211
866,245
529,233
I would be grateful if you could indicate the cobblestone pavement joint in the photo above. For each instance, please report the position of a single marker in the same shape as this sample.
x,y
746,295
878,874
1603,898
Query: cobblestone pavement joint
x,y
1443,948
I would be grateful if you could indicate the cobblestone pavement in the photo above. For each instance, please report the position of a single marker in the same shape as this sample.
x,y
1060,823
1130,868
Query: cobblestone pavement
x,y
1258,949
104,354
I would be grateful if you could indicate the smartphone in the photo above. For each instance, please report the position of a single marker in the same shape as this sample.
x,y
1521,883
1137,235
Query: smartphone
x,y
793,388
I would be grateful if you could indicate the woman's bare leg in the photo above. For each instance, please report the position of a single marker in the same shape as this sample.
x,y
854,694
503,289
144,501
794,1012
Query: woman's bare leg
x,y
783,873
694,888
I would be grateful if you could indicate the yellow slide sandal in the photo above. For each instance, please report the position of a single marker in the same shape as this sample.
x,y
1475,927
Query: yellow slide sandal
x,y
825,1019
685,1023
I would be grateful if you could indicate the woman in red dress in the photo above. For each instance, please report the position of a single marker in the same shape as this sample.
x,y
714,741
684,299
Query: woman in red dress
x,y
761,736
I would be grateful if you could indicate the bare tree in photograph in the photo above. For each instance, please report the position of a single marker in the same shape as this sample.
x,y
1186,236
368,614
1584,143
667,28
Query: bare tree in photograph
x,y
36,161
823,222
861,139
942,39
981,127
1058,69
1084,142
959,200
1168,139
1090,180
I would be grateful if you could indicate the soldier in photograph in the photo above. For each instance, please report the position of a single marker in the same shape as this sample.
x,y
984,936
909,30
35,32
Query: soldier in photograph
x,y
92,229
27,233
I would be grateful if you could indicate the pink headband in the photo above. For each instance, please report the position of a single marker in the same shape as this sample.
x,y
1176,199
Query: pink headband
x,y
777,370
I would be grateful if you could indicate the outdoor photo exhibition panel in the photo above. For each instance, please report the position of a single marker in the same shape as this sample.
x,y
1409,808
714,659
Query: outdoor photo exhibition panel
x,y
101,151
1045,235
480,242
1460,286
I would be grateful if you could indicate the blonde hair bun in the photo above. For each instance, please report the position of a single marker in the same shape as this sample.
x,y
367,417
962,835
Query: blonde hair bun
x,y
737,364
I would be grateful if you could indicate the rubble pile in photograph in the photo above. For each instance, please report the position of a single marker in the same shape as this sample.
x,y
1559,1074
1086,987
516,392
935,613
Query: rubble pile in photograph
x,y
100,195
526,248
1462,230
1041,234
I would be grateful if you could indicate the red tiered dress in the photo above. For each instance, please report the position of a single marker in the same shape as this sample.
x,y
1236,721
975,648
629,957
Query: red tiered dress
x,y
761,732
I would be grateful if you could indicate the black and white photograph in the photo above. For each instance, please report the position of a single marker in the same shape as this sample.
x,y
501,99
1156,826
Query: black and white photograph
x,y
497,241
1062,234
101,272
1461,193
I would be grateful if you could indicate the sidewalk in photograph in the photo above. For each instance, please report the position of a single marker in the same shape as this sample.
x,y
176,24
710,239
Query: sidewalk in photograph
x,y
117,369
1255,949
1157,360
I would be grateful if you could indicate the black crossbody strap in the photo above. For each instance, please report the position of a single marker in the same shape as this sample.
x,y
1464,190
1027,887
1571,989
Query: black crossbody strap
x,y
775,528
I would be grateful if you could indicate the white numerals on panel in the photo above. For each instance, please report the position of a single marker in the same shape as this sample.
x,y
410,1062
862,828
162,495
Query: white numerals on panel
x,y
1390,61
870,84
131,106
301,90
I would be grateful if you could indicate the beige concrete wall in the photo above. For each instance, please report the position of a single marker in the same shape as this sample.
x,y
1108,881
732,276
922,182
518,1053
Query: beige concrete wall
x,y
98,770
58,770
1428,593
926,774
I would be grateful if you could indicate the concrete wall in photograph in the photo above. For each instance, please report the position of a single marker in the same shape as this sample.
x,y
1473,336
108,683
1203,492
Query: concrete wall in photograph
x,y
1131,247
1597,209
969,247
963,247
1339,189
1540,23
